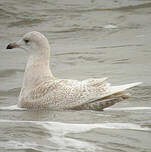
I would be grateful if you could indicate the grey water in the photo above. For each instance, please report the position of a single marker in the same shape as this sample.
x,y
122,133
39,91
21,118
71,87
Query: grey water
x,y
89,38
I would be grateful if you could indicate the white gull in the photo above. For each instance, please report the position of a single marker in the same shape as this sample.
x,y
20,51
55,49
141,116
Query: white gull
x,y
41,90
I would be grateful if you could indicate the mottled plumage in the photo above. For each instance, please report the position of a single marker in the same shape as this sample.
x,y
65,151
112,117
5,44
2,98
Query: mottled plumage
x,y
41,90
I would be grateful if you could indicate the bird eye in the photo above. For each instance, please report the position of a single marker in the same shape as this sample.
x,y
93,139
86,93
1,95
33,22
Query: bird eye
x,y
26,41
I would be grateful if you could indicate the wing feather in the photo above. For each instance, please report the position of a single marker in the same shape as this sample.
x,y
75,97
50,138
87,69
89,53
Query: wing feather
x,y
68,94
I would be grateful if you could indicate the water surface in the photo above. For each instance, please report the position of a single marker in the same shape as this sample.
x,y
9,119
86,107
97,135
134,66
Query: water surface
x,y
91,38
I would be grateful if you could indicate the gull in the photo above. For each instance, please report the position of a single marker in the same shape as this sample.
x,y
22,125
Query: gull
x,y
41,90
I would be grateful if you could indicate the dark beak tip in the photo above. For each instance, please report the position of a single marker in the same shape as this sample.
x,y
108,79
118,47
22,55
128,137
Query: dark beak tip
x,y
9,46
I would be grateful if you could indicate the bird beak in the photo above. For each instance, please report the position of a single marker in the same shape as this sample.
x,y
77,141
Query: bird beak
x,y
12,45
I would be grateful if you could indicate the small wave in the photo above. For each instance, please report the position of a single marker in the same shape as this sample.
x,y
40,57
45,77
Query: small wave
x,y
119,46
16,108
110,26
64,144
123,8
15,145
67,142
58,135
12,108
65,128
76,53
59,128
129,108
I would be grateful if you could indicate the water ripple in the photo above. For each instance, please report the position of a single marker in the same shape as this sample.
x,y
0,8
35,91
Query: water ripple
x,y
61,129
128,108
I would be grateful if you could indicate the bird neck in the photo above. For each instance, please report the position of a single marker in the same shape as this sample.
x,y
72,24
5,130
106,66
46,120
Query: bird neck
x,y
37,70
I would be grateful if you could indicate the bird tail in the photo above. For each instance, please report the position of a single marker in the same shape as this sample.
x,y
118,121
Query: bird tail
x,y
115,95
